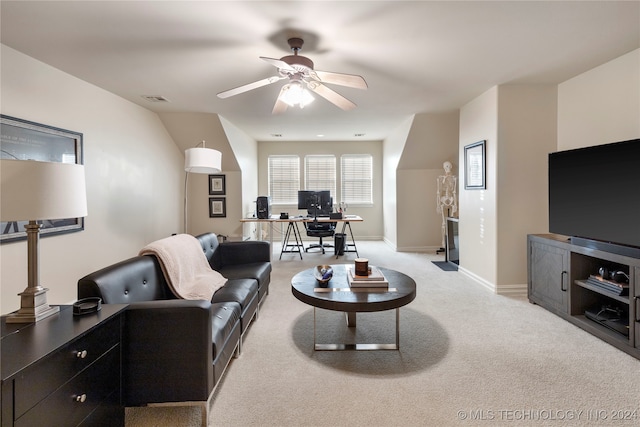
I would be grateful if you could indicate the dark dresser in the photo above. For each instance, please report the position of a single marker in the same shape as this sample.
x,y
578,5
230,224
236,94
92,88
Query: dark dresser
x,y
64,370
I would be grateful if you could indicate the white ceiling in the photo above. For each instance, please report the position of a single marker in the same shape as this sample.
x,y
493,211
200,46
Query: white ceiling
x,y
416,57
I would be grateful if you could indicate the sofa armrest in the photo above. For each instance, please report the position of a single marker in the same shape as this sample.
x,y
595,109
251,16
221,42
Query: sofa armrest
x,y
168,351
247,252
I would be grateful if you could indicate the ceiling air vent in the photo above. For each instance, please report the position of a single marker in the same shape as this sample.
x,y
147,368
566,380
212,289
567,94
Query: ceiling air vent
x,y
155,98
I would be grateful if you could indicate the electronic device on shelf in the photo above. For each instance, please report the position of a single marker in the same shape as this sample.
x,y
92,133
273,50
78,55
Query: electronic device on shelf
x,y
611,317
607,285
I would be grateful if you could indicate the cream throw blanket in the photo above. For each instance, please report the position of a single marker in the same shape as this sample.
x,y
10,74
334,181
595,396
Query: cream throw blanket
x,y
185,267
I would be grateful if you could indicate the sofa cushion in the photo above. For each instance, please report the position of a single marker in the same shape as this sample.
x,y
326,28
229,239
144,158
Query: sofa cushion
x,y
132,280
225,317
233,253
209,243
261,271
242,291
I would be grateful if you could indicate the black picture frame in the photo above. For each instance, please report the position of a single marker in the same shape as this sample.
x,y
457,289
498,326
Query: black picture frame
x,y
217,207
25,140
475,173
217,185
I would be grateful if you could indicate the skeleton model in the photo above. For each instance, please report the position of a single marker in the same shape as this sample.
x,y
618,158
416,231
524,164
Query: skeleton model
x,y
446,201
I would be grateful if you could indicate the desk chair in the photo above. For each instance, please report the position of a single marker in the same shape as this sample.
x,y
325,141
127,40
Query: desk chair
x,y
320,229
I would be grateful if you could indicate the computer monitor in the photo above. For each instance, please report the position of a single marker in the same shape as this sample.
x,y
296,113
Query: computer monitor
x,y
325,202
305,198
315,202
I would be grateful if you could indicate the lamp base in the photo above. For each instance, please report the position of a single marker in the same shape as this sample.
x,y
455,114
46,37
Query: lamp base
x,y
33,307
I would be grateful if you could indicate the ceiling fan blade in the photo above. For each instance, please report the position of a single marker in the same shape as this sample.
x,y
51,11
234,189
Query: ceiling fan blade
x,y
349,80
280,106
248,87
279,64
331,95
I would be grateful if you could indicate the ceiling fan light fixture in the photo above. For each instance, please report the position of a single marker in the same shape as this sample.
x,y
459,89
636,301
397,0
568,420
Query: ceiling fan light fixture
x,y
299,69
295,94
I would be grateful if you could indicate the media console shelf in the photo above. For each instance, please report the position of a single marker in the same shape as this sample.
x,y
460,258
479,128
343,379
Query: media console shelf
x,y
559,280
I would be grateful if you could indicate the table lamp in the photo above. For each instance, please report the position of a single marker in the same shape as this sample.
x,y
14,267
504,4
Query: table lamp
x,y
37,191
199,160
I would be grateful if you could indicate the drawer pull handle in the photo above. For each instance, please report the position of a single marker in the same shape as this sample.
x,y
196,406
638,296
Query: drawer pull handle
x,y
81,354
81,398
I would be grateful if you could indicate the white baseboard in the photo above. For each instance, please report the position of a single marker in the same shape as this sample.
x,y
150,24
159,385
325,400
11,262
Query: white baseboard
x,y
479,280
515,290
419,249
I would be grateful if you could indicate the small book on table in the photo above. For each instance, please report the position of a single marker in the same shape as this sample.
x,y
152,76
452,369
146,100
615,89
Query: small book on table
x,y
375,279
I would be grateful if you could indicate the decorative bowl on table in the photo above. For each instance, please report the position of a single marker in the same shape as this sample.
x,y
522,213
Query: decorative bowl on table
x,y
323,273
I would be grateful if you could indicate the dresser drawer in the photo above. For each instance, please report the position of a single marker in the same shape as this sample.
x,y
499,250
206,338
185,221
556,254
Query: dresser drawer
x,y
75,400
109,414
44,377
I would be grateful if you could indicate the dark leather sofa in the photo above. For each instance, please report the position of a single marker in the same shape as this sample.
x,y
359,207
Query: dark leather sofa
x,y
175,351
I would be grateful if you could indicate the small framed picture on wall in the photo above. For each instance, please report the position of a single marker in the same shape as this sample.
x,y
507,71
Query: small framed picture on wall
x,y
217,207
474,166
217,185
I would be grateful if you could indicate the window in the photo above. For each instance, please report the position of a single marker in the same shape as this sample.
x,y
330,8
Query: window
x,y
357,181
320,173
284,179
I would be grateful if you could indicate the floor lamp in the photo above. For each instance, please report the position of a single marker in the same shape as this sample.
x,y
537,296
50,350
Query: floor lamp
x,y
39,191
199,160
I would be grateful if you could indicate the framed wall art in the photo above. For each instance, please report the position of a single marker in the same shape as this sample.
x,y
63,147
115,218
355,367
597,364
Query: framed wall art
x,y
217,207
475,166
24,140
217,185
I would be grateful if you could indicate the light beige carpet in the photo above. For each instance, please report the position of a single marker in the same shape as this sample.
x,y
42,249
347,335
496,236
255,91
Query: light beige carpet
x,y
467,357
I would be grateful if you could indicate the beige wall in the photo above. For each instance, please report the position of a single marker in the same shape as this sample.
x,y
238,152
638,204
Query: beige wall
x,y
133,171
432,140
419,225
188,130
371,228
245,149
526,135
392,151
518,123
601,105
478,208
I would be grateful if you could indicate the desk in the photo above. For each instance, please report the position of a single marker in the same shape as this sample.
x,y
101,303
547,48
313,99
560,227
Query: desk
x,y
292,228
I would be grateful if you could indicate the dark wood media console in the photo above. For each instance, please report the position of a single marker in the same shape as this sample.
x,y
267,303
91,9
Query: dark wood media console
x,y
558,280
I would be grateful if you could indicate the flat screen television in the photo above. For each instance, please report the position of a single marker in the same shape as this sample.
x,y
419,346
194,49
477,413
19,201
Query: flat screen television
x,y
315,202
594,194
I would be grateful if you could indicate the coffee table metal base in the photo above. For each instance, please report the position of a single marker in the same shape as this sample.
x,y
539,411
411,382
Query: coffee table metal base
x,y
351,322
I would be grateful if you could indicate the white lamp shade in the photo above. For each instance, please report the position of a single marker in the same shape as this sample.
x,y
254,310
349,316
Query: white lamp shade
x,y
202,160
33,190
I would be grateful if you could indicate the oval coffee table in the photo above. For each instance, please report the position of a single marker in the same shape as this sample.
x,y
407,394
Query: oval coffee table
x,y
336,295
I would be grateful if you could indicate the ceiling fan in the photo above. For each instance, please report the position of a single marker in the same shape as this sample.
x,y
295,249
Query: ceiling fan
x,y
301,75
